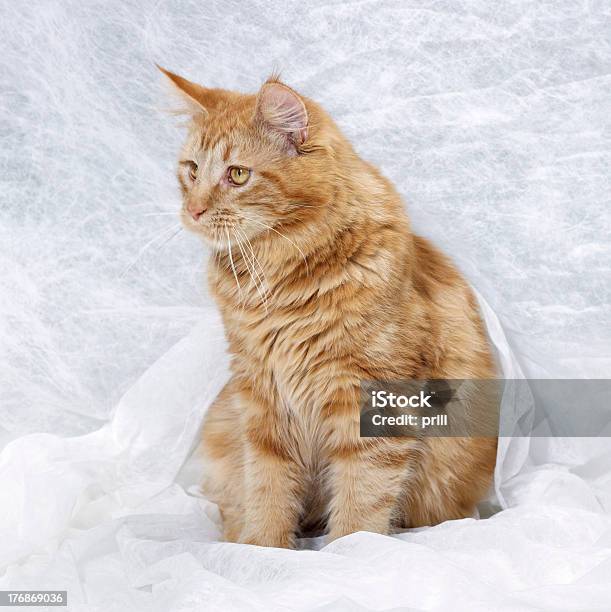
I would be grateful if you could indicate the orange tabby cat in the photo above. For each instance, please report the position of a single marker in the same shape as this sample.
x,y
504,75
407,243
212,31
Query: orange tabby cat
x,y
321,284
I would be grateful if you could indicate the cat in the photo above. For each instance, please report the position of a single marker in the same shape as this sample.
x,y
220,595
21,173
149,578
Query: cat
x,y
321,284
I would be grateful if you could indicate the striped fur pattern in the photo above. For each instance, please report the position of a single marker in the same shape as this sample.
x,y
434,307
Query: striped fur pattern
x,y
321,284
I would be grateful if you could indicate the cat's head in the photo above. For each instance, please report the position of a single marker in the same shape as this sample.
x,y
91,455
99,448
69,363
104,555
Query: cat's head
x,y
253,163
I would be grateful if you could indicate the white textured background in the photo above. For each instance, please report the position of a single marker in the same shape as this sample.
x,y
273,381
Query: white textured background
x,y
493,118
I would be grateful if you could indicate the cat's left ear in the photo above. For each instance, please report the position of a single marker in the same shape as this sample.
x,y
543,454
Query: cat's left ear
x,y
282,110
198,99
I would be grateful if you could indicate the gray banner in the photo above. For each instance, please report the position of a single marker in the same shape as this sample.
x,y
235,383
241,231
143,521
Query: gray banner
x,y
486,408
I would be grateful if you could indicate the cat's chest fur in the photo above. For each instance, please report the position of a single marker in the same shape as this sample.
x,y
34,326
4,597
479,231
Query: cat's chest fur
x,y
284,356
282,360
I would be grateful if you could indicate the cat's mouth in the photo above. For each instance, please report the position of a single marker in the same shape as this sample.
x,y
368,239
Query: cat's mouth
x,y
219,229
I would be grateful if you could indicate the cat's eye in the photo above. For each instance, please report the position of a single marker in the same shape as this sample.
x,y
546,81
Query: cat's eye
x,y
193,170
238,175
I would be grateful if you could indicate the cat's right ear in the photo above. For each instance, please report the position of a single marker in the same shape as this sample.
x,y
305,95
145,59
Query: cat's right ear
x,y
283,111
197,98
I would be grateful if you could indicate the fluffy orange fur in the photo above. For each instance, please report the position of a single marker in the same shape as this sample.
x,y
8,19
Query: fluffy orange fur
x,y
321,284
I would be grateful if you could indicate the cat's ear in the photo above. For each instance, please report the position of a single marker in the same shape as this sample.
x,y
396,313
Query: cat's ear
x,y
282,110
197,98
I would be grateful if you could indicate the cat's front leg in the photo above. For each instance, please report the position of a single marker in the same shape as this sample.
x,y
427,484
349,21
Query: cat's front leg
x,y
366,484
273,481
367,475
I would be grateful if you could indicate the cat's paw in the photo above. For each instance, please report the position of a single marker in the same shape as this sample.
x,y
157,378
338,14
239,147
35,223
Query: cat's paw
x,y
232,533
272,540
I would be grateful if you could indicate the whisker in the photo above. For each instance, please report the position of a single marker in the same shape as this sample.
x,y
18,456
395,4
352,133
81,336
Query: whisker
x,y
263,299
253,256
265,284
235,274
279,234
245,257
180,229
161,235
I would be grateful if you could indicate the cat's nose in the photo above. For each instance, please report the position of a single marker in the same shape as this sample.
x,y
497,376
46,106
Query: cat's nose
x,y
196,210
